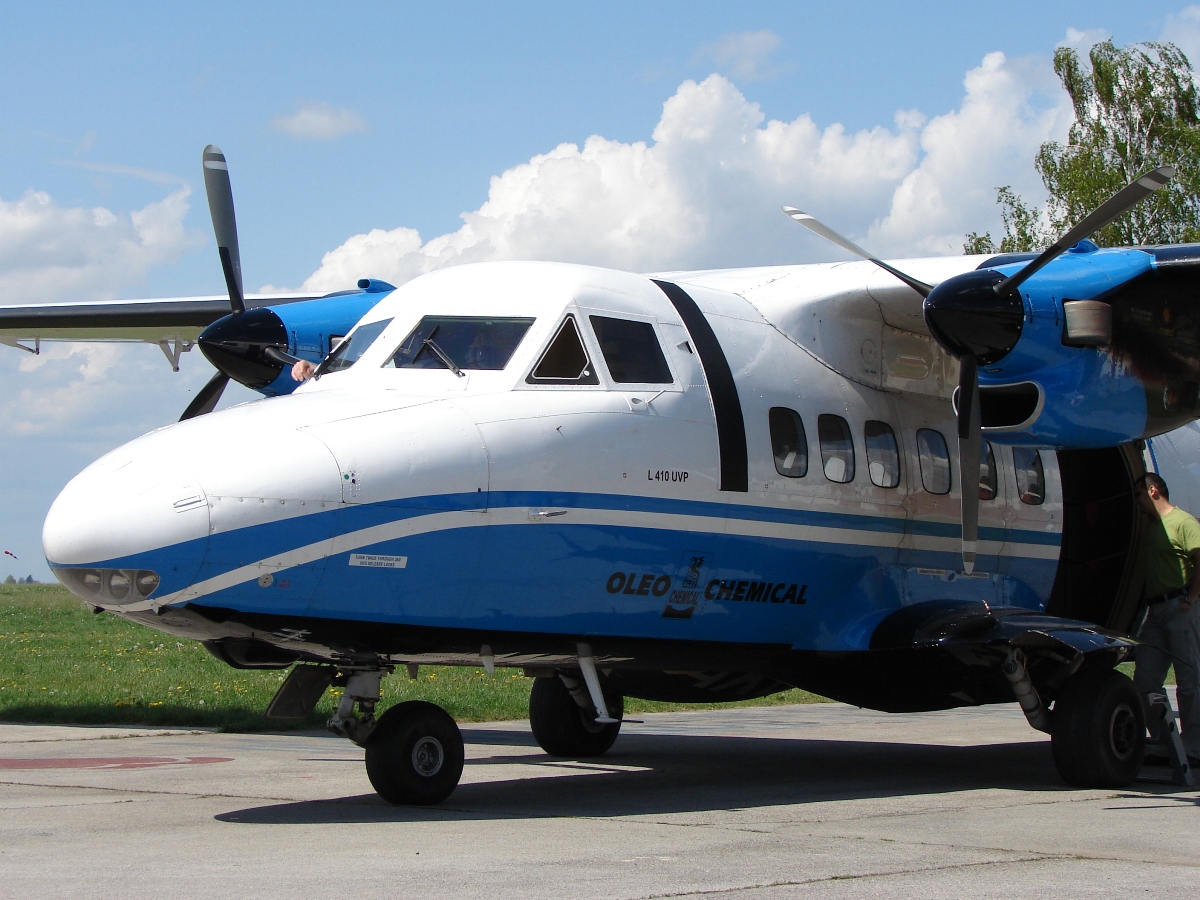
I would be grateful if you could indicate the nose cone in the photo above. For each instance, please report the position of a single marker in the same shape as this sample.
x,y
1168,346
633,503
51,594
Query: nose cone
x,y
124,525
188,501
118,508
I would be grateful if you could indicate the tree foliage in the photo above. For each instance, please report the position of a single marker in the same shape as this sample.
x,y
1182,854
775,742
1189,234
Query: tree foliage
x,y
1135,109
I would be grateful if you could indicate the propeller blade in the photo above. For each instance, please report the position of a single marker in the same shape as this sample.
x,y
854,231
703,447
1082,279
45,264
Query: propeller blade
x,y
1114,207
207,397
970,452
818,227
220,207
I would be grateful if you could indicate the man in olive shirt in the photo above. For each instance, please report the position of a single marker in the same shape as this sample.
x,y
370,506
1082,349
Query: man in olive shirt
x,y
1171,632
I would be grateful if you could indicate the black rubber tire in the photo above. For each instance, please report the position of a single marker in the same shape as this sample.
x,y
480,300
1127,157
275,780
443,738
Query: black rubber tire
x,y
411,737
1098,730
563,728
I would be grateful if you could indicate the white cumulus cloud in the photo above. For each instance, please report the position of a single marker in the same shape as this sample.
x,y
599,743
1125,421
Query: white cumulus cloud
x,y
705,191
989,141
50,252
319,122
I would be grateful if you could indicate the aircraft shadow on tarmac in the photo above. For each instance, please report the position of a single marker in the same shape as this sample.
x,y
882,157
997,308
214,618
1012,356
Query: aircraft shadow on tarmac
x,y
657,774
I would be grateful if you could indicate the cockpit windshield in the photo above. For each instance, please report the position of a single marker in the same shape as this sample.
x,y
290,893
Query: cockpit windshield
x,y
353,346
460,342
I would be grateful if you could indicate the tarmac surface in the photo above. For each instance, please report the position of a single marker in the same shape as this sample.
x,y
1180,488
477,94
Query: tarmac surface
x,y
778,802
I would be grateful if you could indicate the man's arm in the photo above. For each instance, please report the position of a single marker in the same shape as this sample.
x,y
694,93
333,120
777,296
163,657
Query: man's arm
x,y
1193,588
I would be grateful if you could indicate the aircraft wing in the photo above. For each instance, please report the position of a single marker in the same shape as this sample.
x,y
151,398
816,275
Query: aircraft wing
x,y
152,321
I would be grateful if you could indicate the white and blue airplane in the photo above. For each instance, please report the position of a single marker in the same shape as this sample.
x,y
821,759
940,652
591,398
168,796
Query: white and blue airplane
x,y
691,486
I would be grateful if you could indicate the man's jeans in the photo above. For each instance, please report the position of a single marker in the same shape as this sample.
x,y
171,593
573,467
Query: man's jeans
x,y
1175,636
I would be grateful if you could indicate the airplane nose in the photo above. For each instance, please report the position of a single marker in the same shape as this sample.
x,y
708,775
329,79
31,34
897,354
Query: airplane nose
x,y
106,533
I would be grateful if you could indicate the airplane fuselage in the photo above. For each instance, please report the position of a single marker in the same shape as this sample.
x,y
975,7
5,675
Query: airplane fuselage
x,y
418,513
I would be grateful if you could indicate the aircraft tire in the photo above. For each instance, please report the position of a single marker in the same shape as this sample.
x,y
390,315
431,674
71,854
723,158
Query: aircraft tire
x,y
563,728
1098,731
415,754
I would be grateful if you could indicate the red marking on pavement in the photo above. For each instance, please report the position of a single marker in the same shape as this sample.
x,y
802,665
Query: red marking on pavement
x,y
112,762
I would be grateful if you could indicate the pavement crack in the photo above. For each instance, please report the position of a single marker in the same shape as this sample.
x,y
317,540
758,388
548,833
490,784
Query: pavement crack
x,y
826,879
142,791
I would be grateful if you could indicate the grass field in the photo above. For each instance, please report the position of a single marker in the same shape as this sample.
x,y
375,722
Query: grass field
x,y
61,663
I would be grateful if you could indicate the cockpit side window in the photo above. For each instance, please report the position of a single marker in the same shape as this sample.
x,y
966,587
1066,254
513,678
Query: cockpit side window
x,y
935,461
631,351
1031,478
565,360
469,342
353,346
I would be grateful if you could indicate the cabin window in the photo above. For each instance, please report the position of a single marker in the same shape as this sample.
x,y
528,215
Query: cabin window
x,y
631,351
1031,479
987,473
935,461
565,360
470,342
348,352
837,448
789,443
883,455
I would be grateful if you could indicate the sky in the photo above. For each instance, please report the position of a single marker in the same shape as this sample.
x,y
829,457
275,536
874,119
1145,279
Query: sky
x,y
387,139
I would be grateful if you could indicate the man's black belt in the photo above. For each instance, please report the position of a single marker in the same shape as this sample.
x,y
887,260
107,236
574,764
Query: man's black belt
x,y
1169,595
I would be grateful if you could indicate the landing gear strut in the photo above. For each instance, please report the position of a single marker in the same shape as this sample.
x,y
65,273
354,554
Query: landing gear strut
x,y
1098,730
565,721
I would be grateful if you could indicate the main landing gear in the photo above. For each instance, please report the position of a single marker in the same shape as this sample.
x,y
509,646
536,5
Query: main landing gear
x,y
1099,730
563,726
1097,727
575,717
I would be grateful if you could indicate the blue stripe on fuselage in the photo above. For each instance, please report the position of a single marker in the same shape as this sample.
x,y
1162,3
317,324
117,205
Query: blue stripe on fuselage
x,y
555,576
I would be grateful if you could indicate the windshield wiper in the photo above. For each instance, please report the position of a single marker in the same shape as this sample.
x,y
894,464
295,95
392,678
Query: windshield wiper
x,y
323,366
441,354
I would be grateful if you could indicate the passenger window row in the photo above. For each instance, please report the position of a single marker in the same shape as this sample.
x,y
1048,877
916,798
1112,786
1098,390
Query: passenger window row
x,y
789,445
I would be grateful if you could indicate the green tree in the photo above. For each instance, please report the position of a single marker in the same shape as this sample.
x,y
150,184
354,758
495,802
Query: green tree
x,y
1135,109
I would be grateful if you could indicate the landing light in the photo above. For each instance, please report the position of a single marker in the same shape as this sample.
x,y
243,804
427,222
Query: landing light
x,y
108,587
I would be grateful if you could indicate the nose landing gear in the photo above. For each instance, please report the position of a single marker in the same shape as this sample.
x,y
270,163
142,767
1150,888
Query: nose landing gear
x,y
415,754
414,750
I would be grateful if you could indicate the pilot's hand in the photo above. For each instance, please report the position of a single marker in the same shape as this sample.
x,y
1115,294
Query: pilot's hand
x,y
303,370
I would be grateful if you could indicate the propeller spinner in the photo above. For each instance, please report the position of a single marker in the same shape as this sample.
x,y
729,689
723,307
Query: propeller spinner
x,y
978,316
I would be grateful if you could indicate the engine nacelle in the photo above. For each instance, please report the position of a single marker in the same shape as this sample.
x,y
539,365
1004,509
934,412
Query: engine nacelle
x,y
1106,352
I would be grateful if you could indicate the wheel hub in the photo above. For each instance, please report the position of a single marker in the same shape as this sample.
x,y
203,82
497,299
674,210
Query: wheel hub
x,y
427,756
1123,732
